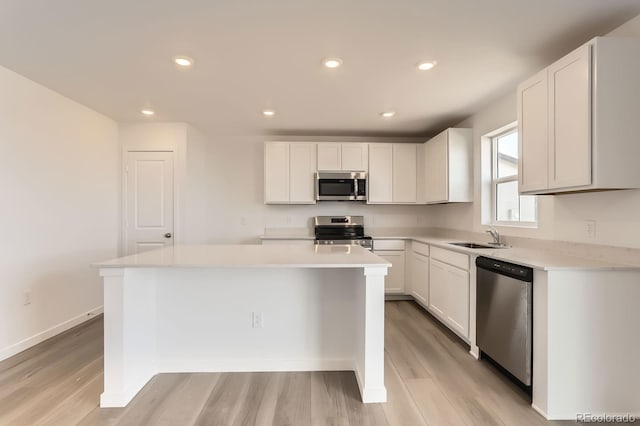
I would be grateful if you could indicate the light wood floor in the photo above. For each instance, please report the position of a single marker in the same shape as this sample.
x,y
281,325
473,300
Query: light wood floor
x,y
430,378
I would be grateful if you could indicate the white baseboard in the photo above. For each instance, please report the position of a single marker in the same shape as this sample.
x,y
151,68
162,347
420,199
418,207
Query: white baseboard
x,y
121,399
539,411
44,335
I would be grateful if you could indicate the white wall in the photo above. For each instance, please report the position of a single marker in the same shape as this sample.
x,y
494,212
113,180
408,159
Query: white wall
x,y
59,183
190,175
561,217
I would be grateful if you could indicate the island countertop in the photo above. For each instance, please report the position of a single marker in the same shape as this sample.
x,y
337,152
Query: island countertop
x,y
249,256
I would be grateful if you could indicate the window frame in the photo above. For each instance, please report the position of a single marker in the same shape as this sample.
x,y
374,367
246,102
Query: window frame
x,y
495,181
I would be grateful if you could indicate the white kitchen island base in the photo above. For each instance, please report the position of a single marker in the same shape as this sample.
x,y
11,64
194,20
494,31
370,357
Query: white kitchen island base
x,y
196,309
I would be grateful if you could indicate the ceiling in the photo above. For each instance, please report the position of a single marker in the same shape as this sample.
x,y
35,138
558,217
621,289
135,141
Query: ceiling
x,y
115,57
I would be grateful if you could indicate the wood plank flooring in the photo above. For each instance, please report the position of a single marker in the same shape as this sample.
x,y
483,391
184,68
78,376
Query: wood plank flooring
x,y
430,378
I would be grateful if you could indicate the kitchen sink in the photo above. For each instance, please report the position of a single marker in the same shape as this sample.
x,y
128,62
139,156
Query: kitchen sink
x,y
479,246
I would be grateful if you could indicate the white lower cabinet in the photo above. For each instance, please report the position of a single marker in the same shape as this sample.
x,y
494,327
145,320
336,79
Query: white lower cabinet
x,y
393,252
394,281
418,267
449,293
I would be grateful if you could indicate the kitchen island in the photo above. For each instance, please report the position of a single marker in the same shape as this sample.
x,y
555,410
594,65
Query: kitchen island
x,y
238,308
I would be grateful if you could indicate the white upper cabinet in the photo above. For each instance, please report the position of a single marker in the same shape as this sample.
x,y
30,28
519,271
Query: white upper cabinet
x,y
570,120
448,176
276,172
533,129
577,120
343,156
355,156
404,174
392,173
289,173
329,156
380,179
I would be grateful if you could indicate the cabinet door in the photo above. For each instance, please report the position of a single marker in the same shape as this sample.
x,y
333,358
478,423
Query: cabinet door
x,y
302,168
394,281
438,288
329,156
380,173
276,172
458,300
533,133
404,176
437,169
420,278
570,120
355,156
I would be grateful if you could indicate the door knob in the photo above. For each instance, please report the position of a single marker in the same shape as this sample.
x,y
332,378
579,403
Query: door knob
x,y
167,235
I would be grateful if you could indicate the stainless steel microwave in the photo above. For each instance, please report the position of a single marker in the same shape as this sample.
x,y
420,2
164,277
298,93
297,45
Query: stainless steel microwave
x,y
341,186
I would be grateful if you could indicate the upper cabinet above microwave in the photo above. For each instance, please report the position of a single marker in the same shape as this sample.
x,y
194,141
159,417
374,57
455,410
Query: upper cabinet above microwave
x,y
578,120
343,156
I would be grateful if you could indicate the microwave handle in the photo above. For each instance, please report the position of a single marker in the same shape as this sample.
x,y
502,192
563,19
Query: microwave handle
x,y
355,188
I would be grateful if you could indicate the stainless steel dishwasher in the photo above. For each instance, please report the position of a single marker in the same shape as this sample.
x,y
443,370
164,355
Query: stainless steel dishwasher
x,y
504,315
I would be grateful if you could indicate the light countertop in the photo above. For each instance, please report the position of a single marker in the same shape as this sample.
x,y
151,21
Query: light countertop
x,y
250,256
532,257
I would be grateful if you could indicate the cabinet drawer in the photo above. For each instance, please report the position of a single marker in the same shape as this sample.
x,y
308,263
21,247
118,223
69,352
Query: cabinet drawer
x,y
420,248
453,258
288,242
388,245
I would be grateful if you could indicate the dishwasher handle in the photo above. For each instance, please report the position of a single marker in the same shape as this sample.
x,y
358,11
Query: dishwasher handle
x,y
518,272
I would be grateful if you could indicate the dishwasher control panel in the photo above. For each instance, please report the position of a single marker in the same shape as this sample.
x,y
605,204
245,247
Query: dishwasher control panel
x,y
520,272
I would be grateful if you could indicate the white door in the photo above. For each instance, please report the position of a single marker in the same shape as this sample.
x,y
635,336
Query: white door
x,y
149,201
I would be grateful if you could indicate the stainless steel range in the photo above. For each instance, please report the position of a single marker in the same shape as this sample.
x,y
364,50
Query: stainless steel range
x,y
343,230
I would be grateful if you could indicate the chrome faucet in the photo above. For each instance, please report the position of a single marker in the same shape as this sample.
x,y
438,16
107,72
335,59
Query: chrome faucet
x,y
494,234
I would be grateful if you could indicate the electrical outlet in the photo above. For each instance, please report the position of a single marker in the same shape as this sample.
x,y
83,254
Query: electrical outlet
x,y
590,228
258,320
26,300
288,220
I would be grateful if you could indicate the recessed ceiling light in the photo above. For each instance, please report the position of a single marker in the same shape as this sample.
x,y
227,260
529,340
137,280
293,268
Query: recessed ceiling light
x,y
183,61
387,114
268,113
332,62
426,65
147,112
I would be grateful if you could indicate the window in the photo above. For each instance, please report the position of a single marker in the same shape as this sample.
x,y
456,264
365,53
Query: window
x,y
509,207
